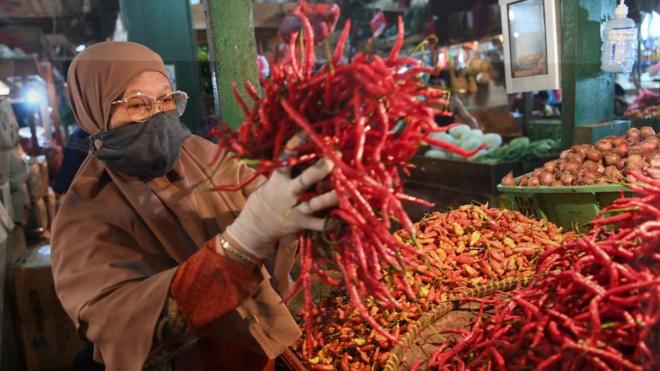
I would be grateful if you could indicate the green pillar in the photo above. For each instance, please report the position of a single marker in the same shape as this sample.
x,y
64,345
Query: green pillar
x,y
166,27
587,93
233,47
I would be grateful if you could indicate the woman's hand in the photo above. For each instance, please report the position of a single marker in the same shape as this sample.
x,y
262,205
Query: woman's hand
x,y
273,211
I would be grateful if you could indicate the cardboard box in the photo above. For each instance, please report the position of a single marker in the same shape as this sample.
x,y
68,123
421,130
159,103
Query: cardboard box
x,y
48,336
51,205
5,155
34,181
49,343
40,212
6,207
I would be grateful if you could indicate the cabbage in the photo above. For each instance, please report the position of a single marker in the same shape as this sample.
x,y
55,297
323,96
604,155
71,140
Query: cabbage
x,y
492,140
435,153
443,137
476,133
458,131
469,143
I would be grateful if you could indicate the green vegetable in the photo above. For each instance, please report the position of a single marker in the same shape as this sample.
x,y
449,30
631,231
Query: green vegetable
x,y
521,148
458,131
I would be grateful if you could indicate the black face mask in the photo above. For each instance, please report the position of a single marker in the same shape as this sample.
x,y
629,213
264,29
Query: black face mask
x,y
145,150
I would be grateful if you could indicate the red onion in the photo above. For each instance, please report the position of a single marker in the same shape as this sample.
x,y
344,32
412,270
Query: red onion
x,y
564,153
590,165
649,145
571,166
618,141
523,180
622,149
550,166
582,149
611,159
604,146
509,180
635,150
594,155
611,172
546,178
557,183
633,138
634,162
533,181
655,160
621,164
567,178
633,131
647,132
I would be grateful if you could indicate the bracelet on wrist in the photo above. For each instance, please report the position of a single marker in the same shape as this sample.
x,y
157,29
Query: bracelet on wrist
x,y
231,250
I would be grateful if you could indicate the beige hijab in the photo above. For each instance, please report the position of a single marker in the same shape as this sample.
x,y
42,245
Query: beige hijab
x,y
117,240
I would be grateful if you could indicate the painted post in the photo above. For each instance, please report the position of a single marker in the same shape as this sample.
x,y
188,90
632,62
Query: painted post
x,y
587,93
233,47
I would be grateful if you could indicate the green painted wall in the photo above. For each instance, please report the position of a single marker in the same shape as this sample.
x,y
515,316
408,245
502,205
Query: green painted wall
x,y
234,49
166,27
588,94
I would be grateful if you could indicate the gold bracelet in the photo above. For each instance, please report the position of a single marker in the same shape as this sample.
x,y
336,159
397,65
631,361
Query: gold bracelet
x,y
231,249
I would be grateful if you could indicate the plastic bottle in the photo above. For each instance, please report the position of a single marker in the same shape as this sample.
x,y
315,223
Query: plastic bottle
x,y
620,46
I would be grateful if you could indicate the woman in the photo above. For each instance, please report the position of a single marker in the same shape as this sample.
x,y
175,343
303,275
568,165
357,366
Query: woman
x,y
153,270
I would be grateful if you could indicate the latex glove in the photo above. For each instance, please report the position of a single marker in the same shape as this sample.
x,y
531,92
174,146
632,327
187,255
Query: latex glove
x,y
272,211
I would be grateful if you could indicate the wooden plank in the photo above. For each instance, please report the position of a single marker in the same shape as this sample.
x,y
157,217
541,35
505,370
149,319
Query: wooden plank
x,y
462,175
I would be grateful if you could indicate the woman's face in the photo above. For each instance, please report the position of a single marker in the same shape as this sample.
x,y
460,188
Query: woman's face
x,y
149,83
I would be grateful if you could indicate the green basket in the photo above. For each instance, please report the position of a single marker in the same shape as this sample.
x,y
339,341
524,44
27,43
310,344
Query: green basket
x,y
570,207
543,129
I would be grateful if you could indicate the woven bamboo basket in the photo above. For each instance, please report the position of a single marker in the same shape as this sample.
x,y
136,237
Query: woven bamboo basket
x,y
402,355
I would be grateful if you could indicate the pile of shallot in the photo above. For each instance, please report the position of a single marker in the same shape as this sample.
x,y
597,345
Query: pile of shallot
x,y
610,160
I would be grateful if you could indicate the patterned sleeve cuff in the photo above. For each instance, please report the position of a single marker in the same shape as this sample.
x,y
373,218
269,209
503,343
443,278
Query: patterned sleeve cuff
x,y
208,286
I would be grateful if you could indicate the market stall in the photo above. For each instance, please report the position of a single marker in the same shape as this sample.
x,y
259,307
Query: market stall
x,y
474,286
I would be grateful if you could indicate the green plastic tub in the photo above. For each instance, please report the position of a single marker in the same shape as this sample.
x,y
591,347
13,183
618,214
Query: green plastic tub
x,y
544,129
570,207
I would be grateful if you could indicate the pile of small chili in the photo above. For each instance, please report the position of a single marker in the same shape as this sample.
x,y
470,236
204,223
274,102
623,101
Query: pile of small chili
x,y
469,246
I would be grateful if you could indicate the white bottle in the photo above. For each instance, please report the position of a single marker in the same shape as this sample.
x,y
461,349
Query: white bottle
x,y
620,46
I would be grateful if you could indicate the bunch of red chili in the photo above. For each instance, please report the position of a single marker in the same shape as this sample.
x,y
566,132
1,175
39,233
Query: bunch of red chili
x,y
369,117
469,246
597,305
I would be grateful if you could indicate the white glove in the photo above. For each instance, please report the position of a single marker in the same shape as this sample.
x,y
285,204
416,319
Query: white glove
x,y
273,211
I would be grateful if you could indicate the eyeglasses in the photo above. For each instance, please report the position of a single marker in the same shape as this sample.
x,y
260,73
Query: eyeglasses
x,y
140,107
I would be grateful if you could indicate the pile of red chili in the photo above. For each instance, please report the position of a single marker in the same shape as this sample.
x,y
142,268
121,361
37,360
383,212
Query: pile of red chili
x,y
596,304
469,246
369,117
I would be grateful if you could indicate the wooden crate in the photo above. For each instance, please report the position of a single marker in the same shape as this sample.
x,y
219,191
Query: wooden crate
x,y
451,183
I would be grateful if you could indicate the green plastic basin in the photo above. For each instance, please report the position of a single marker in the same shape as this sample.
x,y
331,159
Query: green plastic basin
x,y
571,207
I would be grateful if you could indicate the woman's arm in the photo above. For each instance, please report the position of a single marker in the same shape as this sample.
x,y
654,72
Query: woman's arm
x,y
207,286
462,114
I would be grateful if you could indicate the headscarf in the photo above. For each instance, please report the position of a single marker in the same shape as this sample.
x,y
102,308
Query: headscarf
x,y
118,240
